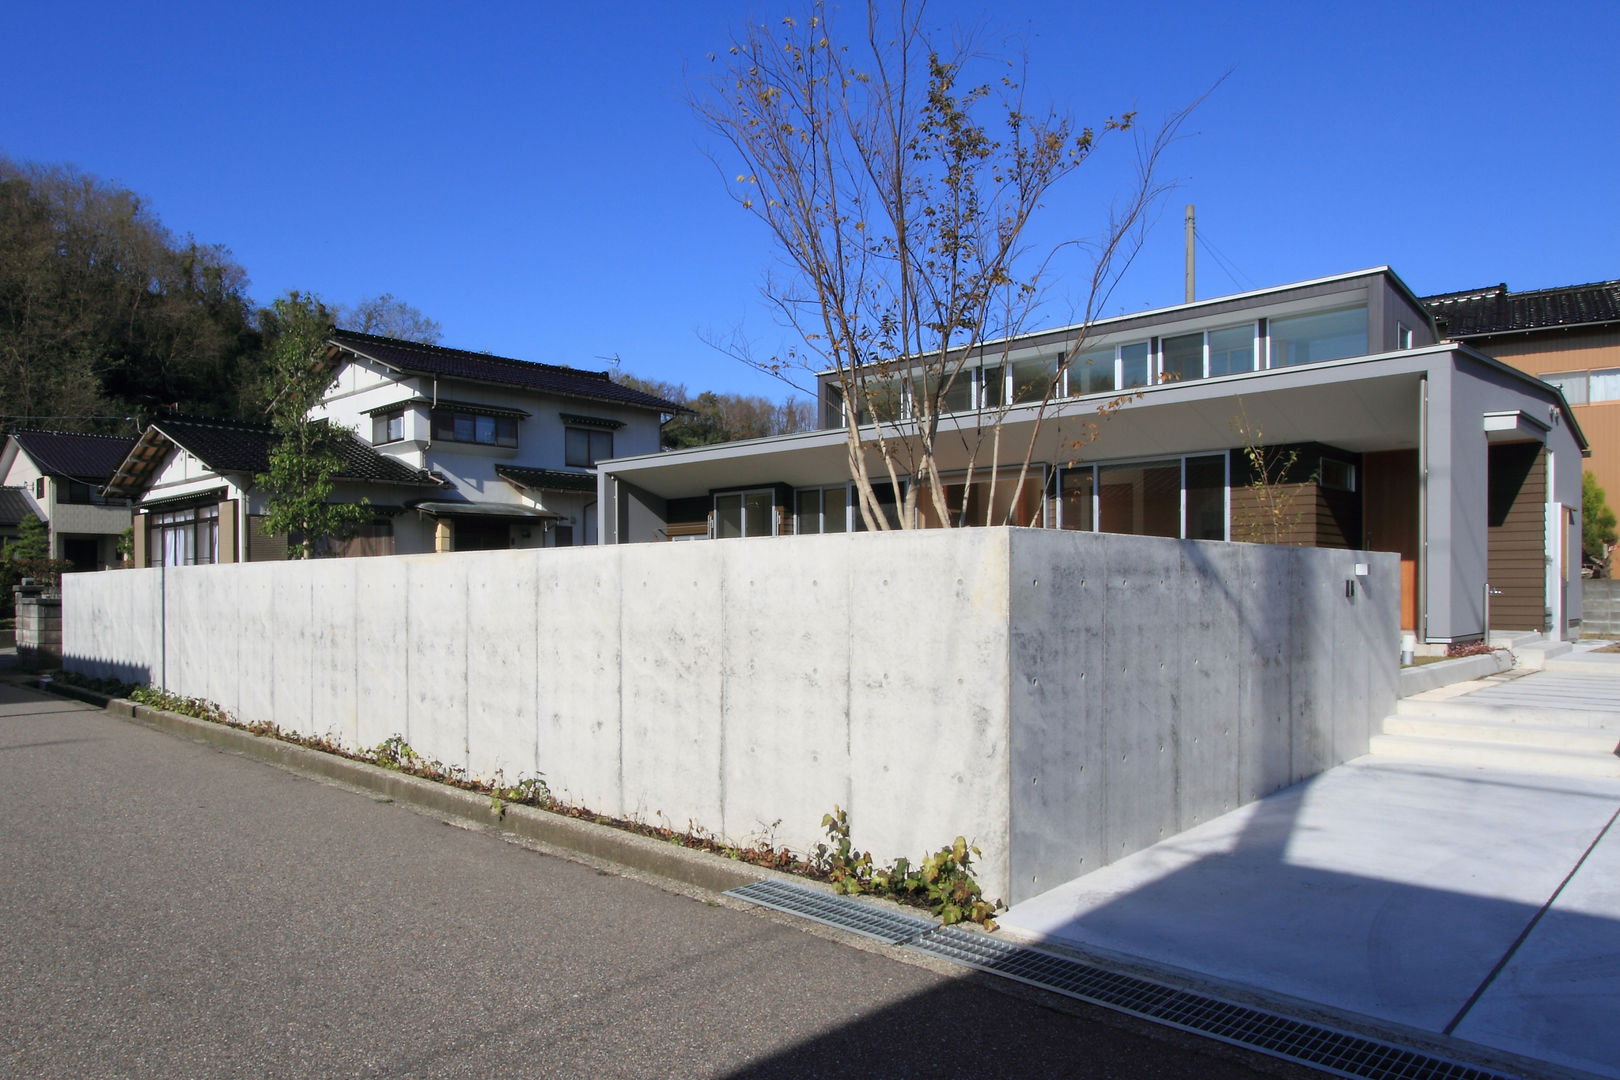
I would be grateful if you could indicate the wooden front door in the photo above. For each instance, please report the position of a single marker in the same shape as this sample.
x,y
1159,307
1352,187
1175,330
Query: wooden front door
x,y
1390,518
1516,536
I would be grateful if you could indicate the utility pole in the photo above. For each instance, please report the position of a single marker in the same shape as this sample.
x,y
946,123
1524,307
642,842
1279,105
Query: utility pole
x,y
1192,232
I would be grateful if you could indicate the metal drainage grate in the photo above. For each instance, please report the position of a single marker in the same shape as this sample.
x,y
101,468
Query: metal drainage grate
x,y
889,927
1280,1036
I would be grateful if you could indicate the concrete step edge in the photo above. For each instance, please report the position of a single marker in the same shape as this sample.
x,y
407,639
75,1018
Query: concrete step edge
x,y
1496,756
1548,736
1604,665
1461,708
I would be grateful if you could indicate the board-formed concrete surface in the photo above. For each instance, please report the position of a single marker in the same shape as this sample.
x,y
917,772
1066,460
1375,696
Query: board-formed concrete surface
x,y
1390,890
1060,699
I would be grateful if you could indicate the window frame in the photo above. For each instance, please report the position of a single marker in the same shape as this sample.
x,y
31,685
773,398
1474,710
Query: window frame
x,y
592,454
742,497
1095,469
1314,313
446,424
1608,374
384,424
198,526
820,494
1563,381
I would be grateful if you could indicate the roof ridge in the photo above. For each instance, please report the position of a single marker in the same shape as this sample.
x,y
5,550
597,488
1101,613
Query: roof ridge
x,y
53,431
419,346
210,421
1615,284
1503,291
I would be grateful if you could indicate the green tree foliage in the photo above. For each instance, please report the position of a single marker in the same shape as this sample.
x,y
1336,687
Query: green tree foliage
x,y
29,556
717,418
1597,522
105,315
388,317
33,541
307,457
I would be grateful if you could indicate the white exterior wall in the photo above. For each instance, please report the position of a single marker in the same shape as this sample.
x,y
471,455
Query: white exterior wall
x,y
1062,699
362,386
22,472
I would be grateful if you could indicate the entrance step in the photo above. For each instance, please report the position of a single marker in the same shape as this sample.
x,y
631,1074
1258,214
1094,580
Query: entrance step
x,y
1589,740
1540,721
1551,715
1498,755
1586,663
1537,655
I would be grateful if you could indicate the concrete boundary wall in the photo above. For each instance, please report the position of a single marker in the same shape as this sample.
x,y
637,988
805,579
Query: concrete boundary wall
x,y
1062,699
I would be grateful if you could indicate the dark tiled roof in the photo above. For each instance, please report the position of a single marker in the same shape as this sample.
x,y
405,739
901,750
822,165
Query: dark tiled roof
x,y
221,445
416,359
14,506
547,479
1495,310
230,447
88,458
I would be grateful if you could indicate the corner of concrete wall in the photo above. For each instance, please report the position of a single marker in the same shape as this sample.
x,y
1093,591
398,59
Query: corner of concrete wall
x,y
929,700
1159,683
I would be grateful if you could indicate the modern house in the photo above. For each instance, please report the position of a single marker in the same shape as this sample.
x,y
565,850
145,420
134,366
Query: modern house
x,y
62,475
453,450
1468,468
1567,336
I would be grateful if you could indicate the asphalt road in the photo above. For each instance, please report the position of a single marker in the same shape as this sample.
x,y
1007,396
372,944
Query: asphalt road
x,y
171,910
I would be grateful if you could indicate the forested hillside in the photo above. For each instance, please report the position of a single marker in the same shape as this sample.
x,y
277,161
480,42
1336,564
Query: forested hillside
x,y
108,319
105,315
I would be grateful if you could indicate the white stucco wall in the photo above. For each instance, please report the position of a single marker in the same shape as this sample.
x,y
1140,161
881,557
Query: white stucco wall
x,y
1062,699
470,467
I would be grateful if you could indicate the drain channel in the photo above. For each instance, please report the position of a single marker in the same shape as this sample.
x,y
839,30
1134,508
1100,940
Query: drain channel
x,y
889,927
1254,1029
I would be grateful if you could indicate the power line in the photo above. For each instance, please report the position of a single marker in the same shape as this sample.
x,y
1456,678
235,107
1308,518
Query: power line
x,y
1226,265
7,418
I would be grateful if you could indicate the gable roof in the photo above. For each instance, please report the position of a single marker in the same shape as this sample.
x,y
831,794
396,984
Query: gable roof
x,y
1496,310
91,459
15,506
227,447
413,358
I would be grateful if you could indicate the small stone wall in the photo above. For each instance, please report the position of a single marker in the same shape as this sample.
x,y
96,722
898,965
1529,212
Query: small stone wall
x,y
1600,607
39,625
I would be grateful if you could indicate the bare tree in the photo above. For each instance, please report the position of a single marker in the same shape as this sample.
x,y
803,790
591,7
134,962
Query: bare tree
x,y
899,192
390,317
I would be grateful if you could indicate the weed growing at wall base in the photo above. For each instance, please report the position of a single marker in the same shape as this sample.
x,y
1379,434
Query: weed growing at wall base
x,y
943,882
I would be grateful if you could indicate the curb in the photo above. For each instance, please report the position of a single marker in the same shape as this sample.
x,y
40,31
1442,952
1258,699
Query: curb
x,y
1417,680
643,853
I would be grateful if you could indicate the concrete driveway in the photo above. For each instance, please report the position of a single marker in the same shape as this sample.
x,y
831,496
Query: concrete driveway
x,y
1464,901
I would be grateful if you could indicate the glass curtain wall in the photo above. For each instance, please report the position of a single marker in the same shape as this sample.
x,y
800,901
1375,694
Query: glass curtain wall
x,y
976,499
1313,338
744,513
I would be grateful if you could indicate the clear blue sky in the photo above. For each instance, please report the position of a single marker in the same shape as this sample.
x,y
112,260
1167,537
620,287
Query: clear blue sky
x,y
527,173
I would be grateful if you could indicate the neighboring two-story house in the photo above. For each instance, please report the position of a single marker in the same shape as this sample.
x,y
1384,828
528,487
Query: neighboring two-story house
x,y
62,474
1468,468
453,450
516,442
